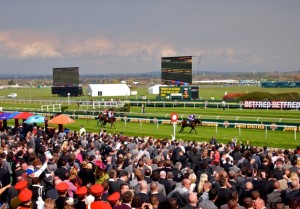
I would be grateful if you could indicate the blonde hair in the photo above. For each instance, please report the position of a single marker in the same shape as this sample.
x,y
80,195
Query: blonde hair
x,y
298,162
49,203
192,178
203,179
73,174
69,207
294,176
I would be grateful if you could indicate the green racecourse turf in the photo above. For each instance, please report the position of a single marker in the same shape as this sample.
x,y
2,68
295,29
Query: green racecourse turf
x,y
279,139
204,92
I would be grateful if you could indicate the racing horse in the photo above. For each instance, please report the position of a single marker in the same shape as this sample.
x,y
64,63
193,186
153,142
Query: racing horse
x,y
104,119
192,124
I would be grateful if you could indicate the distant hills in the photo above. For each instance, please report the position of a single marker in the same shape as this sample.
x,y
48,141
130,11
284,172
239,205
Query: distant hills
x,y
156,74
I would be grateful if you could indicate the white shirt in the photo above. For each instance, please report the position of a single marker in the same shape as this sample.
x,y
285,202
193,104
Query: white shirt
x,y
82,130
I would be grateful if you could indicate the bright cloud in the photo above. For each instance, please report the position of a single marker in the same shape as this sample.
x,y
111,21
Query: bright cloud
x,y
33,45
18,48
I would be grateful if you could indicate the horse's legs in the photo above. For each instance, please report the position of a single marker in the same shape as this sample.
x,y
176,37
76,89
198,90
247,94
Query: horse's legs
x,y
182,128
193,128
111,124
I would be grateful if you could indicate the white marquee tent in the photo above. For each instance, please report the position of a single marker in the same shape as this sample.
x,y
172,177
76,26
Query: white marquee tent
x,y
154,89
108,90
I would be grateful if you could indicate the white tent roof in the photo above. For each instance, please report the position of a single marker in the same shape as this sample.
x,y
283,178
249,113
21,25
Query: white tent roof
x,y
154,89
109,89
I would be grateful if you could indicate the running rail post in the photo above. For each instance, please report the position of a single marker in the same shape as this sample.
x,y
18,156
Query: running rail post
x,y
174,129
125,121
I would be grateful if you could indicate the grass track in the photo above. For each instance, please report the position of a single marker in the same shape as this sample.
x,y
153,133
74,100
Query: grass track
x,y
281,139
257,137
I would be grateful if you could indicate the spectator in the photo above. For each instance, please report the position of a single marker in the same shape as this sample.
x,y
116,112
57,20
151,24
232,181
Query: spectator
x,y
181,193
193,201
274,197
127,198
210,203
248,203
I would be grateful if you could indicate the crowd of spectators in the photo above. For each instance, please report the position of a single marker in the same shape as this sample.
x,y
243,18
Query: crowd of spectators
x,y
68,170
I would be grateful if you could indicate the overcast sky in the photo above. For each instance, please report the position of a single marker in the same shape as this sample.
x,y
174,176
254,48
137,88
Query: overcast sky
x,y
131,36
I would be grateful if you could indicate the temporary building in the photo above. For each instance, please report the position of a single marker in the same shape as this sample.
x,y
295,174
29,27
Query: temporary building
x,y
95,90
154,89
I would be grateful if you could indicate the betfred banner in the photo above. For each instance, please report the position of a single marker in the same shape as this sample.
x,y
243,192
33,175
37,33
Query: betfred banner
x,y
272,104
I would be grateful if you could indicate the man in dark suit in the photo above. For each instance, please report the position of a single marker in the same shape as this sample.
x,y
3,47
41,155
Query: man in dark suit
x,y
227,165
162,198
155,178
175,153
274,197
162,180
267,184
167,166
232,181
193,201
4,175
126,201
279,171
62,170
183,159
147,176
256,157
123,179
143,194
170,177
293,194
114,184
223,193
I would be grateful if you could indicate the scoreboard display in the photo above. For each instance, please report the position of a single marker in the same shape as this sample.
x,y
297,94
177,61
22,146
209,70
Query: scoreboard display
x,y
68,76
176,70
185,92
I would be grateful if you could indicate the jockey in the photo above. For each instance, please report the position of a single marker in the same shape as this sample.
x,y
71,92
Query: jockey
x,y
105,112
192,118
110,113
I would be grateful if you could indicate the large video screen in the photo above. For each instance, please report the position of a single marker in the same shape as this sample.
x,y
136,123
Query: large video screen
x,y
68,76
176,70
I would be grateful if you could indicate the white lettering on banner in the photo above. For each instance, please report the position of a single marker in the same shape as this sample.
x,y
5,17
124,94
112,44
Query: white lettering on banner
x,y
214,124
249,126
273,104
